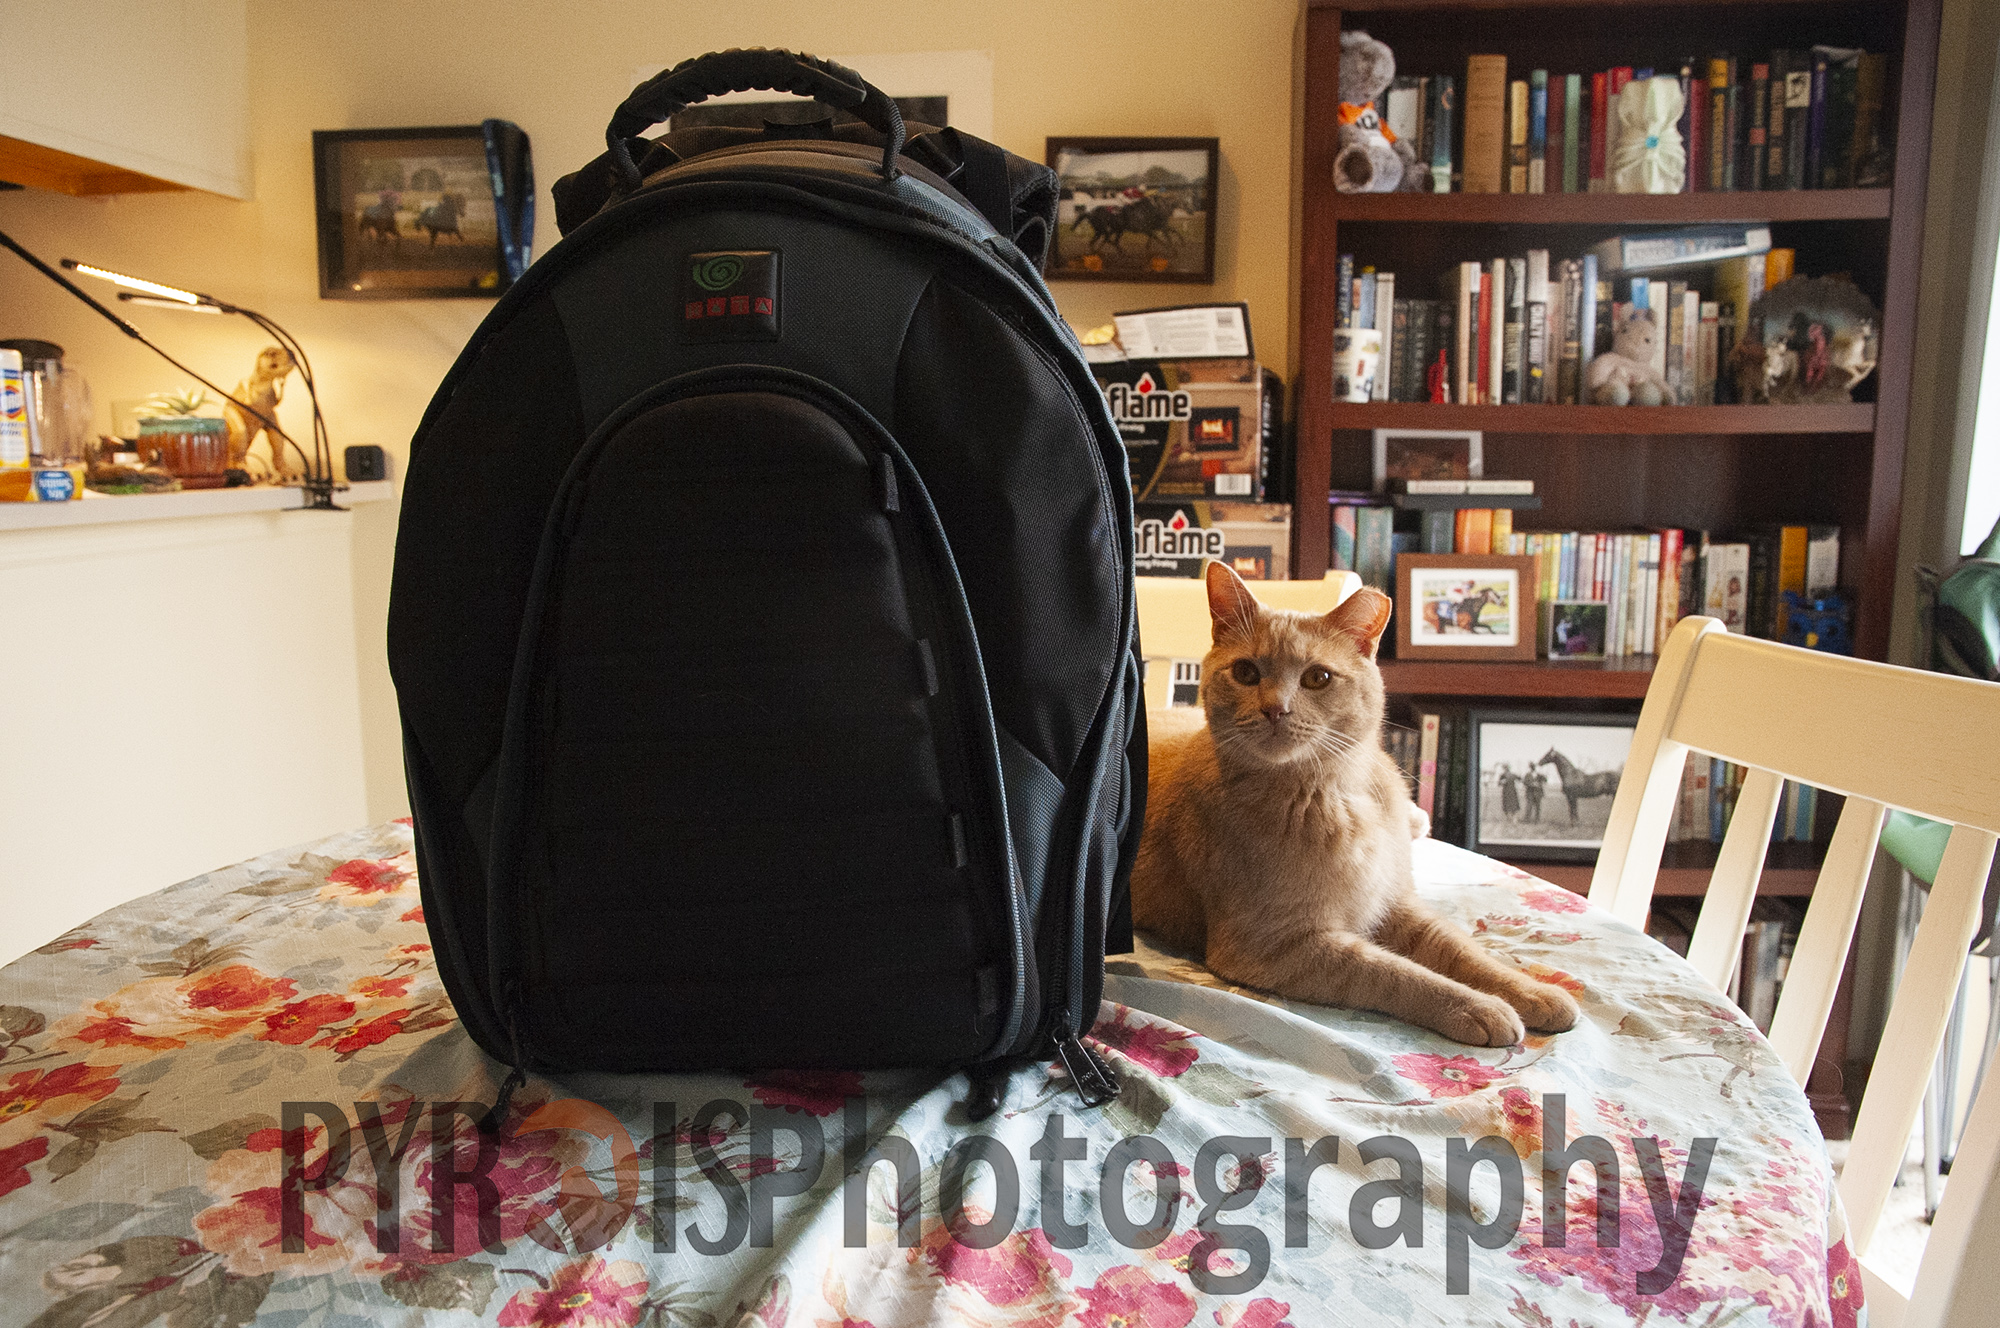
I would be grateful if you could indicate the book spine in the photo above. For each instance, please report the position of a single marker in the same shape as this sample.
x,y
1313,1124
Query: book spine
x,y
1836,157
1817,121
1423,325
1364,299
1599,119
1535,298
1575,141
1656,574
1343,293
1675,334
1538,131
1656,304
1427,764
1756,138
1462,777
1718,119
1420,146
1586,328
1485,123
1385,319
1730,125
1437,532
1484,349
1517,136
1774,124
1439,374
1708,354
1569,370
1672,544
1514,348
1394,386
1760,612
1443,114
1798,109
1694,122
1496,335
1341,555
1467,335
1868,168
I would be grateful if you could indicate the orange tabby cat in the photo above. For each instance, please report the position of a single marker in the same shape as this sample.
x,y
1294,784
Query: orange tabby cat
x,y
1277,839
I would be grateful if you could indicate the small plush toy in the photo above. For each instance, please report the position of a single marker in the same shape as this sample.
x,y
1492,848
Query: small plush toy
x,y
1370,158
1624,375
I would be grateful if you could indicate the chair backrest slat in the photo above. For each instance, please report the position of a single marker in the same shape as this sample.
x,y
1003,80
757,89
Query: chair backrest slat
x,y
1883,737
1821,953
1732,888
1914,1031
1898,736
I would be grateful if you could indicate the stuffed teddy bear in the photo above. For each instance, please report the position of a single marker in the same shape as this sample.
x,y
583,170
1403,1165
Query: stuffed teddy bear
x,y
1370,159
1624,375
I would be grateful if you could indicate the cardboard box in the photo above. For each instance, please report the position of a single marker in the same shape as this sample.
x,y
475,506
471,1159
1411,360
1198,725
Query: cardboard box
x,y
1195,428
1175,539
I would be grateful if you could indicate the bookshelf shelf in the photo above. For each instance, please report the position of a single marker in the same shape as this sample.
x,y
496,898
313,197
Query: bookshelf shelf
x,y
1855,417
1677,882
1616,209
1615,679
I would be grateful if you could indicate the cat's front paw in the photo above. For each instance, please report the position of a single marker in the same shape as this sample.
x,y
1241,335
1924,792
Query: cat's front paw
x,y
1547,1009
1480,1020
1420,822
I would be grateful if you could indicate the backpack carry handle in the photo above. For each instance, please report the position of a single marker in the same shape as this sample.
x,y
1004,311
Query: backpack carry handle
x,y
667,94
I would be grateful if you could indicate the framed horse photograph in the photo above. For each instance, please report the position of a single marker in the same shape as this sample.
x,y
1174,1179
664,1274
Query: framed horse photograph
x,y
1465,606
1134,209
1544,782
414,213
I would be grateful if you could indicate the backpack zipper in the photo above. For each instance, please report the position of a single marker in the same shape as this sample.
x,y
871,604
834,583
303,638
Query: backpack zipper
x,y
1094,1081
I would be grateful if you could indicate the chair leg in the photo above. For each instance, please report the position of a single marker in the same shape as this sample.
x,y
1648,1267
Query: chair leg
x,y
1932,1131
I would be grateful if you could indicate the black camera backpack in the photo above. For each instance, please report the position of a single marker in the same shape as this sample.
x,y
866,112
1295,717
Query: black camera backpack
x,y
762,623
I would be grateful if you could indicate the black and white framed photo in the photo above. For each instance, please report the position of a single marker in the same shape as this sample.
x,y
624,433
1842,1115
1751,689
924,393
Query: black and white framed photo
x,y
1427,454
1134,209
1545,781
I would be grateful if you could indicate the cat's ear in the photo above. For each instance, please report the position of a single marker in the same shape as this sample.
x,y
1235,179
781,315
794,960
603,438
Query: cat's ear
x,y
1361,618
1232,609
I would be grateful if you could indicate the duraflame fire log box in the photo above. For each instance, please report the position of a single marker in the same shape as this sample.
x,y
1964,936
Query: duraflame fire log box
x,y
1175,539
1195,428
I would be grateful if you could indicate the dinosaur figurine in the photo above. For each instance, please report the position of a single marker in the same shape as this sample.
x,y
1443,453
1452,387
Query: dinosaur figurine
x,y
263,390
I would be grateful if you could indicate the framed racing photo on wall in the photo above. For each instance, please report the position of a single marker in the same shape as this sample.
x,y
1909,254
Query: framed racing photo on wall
x,y
1134,209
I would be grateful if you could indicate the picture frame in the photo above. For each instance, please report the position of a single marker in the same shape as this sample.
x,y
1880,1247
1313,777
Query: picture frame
x,y
414,213
1466,606
1575,628
1543,782
1134,209
1428,454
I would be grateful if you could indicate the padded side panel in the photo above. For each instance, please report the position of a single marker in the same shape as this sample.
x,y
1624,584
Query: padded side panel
x,y
751,764
1013,470
474,503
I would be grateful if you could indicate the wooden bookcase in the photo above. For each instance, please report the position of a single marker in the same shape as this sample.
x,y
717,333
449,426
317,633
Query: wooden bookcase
x,y
1608,468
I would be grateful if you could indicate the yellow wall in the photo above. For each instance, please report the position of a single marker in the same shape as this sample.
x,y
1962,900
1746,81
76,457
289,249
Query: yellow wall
x,y
1161,67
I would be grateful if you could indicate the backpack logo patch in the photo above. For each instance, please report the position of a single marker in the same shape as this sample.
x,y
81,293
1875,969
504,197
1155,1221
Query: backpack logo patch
x,y
731,296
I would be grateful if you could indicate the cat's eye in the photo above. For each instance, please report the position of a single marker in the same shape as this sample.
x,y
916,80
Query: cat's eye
x,y
1316,677
1245,672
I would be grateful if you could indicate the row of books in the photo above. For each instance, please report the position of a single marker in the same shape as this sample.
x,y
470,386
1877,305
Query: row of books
x,y
1802,119
1523,330
1647,580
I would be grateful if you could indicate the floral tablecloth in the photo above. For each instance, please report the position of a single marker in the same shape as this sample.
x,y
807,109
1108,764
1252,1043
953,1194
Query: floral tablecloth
x,y
150,1163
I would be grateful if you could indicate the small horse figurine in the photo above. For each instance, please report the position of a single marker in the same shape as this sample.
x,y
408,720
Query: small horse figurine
x,y
441,218
1575,784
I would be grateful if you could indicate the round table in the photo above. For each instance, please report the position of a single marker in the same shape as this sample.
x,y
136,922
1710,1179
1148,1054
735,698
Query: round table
x,y
184,1071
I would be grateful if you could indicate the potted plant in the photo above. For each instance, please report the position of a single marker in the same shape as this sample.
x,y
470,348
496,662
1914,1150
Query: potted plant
x,y
193,448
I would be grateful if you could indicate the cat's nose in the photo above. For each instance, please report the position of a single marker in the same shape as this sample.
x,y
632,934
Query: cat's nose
x,y
1274,713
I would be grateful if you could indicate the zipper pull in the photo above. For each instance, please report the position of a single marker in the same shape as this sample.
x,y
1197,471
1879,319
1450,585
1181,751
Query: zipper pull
x,y
1093,1080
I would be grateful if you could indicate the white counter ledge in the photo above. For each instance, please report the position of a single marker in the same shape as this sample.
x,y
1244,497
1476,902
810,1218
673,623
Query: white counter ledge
x,y
98,508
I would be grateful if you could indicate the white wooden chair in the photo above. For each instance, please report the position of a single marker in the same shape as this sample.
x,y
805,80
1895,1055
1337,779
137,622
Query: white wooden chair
x,y
1884,737
1174,628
